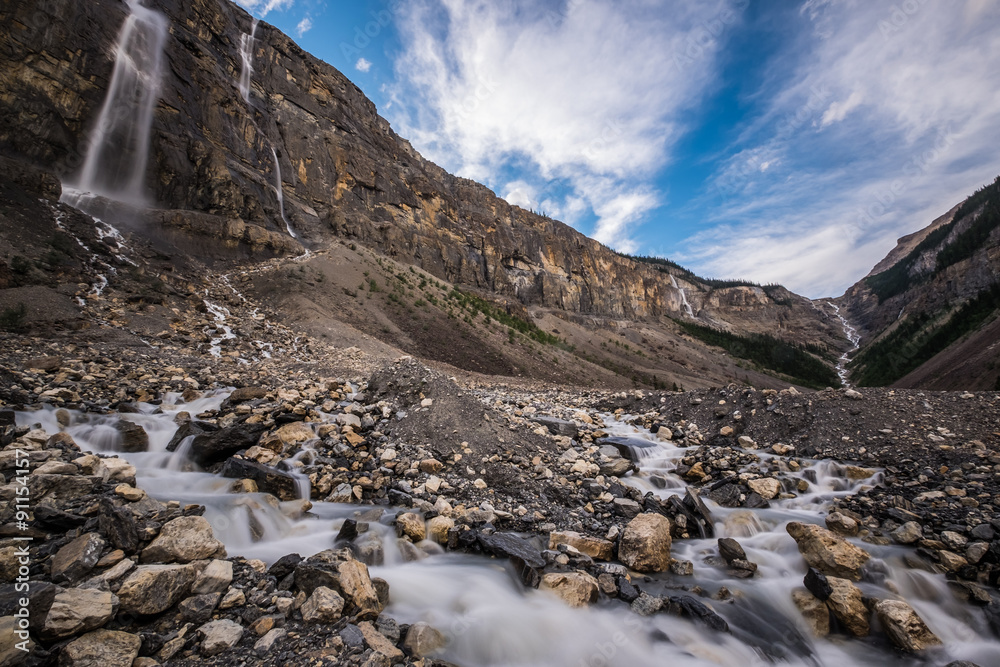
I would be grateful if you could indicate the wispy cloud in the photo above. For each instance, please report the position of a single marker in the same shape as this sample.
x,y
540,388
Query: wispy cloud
x,y
265,7
304,26
557,92
912,102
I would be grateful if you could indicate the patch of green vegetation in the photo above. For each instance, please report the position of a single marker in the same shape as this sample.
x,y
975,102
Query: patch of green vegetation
x,y
769,353
15,318
475,305
920,337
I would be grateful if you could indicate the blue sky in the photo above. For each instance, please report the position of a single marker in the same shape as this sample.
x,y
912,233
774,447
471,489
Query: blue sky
x,y
787,141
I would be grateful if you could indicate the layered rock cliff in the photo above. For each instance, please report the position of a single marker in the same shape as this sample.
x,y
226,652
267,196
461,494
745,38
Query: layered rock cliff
x,y
216,159
927,312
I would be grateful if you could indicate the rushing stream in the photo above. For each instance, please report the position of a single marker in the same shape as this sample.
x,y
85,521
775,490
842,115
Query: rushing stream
x,y
490,619
852,335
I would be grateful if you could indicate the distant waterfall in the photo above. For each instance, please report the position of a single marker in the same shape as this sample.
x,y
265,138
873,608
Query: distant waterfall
x,y
684,298
118,149
278,188
246,53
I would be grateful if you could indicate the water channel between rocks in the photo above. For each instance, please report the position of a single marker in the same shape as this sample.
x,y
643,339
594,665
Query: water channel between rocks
x,y
490,619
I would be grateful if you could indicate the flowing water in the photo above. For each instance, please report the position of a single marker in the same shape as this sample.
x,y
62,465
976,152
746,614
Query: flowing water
x,y
684,298
490,620
852,335
246,55
280,192
118,149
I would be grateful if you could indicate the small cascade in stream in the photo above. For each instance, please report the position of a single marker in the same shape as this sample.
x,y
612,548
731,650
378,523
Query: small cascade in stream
x,y
490,620
852,335
684,298
118,149
278,188
246,54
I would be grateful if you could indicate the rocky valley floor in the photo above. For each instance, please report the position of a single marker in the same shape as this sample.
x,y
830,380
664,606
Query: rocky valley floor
x,y
324,506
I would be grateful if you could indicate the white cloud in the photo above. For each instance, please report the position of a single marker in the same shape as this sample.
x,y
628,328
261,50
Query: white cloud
x,y
304,26
265,7
363,65
905,130
485,88
838,110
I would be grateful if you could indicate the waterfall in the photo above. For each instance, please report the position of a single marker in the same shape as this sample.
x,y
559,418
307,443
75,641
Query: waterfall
x,y
280,193
684,298
246,53
116,155
852,335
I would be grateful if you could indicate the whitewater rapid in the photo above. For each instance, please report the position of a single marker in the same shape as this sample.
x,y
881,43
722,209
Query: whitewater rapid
x,y
490,620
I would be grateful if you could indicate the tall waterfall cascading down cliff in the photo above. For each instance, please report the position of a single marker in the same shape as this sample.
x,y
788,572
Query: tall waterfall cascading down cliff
x,y
684,300
118,148
246,54
278,189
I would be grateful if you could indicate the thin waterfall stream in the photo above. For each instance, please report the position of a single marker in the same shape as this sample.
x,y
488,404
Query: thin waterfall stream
x,y
490,619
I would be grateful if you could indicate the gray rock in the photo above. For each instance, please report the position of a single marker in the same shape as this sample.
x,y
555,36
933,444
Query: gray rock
x,y
152,589
183,540
323,606
198,609
422,640
102,648
133,437
76,559
78,610
219,636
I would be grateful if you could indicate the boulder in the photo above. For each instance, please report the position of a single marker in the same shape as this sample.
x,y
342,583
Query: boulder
x,y
438,527
842,524
78,610
77,558
219,636
199,608
767,488
904,627
133,437
411,525
339,571
815,613
525,558
847,604
645,543
828,553
380,643
269,480
594,547
323,606
731,550
183,540
152,589
422,640
119,527
215,578
559,426
102,648
577,589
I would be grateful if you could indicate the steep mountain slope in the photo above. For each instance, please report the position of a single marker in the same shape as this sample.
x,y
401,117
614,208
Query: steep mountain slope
x,y
928,312
304,161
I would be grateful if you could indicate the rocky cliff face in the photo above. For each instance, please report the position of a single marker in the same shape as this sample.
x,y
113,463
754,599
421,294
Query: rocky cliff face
x,y
929,307
216,158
